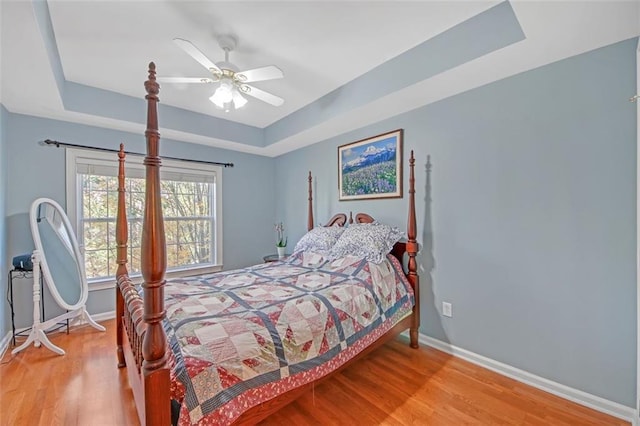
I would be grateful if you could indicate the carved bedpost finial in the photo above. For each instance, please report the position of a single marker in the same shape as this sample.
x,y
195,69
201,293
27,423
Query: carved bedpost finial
x,y
151,85
121,153
153,88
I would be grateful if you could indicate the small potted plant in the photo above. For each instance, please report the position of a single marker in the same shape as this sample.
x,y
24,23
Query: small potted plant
x,y
281,240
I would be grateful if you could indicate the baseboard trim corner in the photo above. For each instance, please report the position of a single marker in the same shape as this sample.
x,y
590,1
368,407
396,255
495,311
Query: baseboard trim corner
x,y
4,343
579,397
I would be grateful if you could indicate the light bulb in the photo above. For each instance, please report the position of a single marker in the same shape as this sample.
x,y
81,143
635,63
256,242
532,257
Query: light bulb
x,y
223,94
238,100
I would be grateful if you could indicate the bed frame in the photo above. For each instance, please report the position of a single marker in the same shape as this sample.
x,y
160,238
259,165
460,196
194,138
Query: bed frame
x,y
141,340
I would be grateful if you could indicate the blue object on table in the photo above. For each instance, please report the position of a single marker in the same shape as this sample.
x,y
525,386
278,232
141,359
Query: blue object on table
x,y
23,262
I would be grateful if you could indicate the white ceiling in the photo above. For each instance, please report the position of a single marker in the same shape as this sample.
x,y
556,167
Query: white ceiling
x,y
320,45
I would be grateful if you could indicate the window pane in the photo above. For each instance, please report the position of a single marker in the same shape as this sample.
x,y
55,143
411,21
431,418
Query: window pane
x,y
136,198
95,235
202,200
96,263
188,217
167,187
172,256
186,231
112,202
135,260
112,262
171,230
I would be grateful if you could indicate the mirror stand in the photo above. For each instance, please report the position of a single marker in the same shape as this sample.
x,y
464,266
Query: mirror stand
x,y
37,336
57,258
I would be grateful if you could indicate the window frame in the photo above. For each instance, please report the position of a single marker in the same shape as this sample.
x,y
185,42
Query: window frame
x,y
135,163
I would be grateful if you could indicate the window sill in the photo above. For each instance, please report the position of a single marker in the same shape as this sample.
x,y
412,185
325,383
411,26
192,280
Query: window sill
x,y
110,282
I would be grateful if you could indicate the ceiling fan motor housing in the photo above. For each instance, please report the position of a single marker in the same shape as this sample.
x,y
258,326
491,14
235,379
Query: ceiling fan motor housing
x,y
227,42
224,65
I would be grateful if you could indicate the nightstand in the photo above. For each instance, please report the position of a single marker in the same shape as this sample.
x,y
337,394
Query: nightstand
x,y
27,274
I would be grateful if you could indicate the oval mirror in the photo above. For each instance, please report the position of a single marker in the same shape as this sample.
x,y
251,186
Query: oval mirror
x,y
61,262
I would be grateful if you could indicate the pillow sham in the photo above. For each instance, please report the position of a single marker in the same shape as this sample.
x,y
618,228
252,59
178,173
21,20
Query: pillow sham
x,y
319,239
369,240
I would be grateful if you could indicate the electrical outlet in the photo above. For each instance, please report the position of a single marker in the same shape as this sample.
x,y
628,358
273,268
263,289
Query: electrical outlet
x,y
447,309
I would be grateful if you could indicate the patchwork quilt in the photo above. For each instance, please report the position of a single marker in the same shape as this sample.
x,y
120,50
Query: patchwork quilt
x,y
242,337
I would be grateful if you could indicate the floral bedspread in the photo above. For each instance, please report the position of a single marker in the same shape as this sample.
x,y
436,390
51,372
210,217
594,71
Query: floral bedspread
x,y
242,337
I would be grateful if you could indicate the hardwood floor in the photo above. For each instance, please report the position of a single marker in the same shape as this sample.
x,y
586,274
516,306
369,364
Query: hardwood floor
x,y
395,385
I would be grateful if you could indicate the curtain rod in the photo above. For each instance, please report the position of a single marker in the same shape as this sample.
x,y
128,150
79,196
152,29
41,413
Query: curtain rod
x,y
59,144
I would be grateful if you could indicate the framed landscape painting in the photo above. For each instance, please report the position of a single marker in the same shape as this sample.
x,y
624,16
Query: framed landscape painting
x,y
371,168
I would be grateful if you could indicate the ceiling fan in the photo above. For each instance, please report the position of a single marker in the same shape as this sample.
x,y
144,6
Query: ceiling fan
x,y
232,82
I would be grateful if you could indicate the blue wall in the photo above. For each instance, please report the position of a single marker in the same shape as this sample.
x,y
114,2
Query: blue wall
x,y
4,269
527,220
39,171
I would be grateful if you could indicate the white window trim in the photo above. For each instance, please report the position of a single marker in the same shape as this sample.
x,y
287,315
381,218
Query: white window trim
x,y
136,161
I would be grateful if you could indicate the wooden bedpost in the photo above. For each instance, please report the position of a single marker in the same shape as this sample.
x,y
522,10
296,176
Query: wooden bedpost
x,y
154,263
122,232
412,250
310,216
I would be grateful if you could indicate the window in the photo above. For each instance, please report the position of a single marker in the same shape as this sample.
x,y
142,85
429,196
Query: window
x,y
191,204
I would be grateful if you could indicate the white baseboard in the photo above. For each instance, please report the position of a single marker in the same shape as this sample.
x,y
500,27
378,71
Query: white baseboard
x,y
4,343
103,316
580,397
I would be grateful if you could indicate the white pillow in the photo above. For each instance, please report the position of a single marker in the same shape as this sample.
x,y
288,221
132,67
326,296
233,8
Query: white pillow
x,y
369,240
319,239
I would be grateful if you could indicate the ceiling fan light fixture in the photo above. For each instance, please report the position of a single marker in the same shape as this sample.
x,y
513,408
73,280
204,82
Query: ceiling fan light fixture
x,y
232,82
227,96
217,101
224,92
238,100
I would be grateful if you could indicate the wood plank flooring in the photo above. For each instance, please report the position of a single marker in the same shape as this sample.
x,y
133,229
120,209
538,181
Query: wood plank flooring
x,y
395,385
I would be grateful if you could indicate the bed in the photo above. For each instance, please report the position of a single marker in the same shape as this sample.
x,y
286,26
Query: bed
x,y
236,346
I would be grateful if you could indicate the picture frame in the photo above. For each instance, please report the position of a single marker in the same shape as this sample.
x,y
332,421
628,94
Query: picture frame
x,y
371,168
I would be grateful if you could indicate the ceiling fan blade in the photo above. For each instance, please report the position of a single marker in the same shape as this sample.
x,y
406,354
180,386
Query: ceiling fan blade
x,y
196,54
185,80
262,95
270,72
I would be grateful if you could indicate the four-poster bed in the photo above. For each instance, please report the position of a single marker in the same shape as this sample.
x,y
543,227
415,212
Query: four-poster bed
x,y
167,357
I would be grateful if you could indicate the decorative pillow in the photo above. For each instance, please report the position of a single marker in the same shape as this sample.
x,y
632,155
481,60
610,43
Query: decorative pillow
x,y
369,240
319,240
